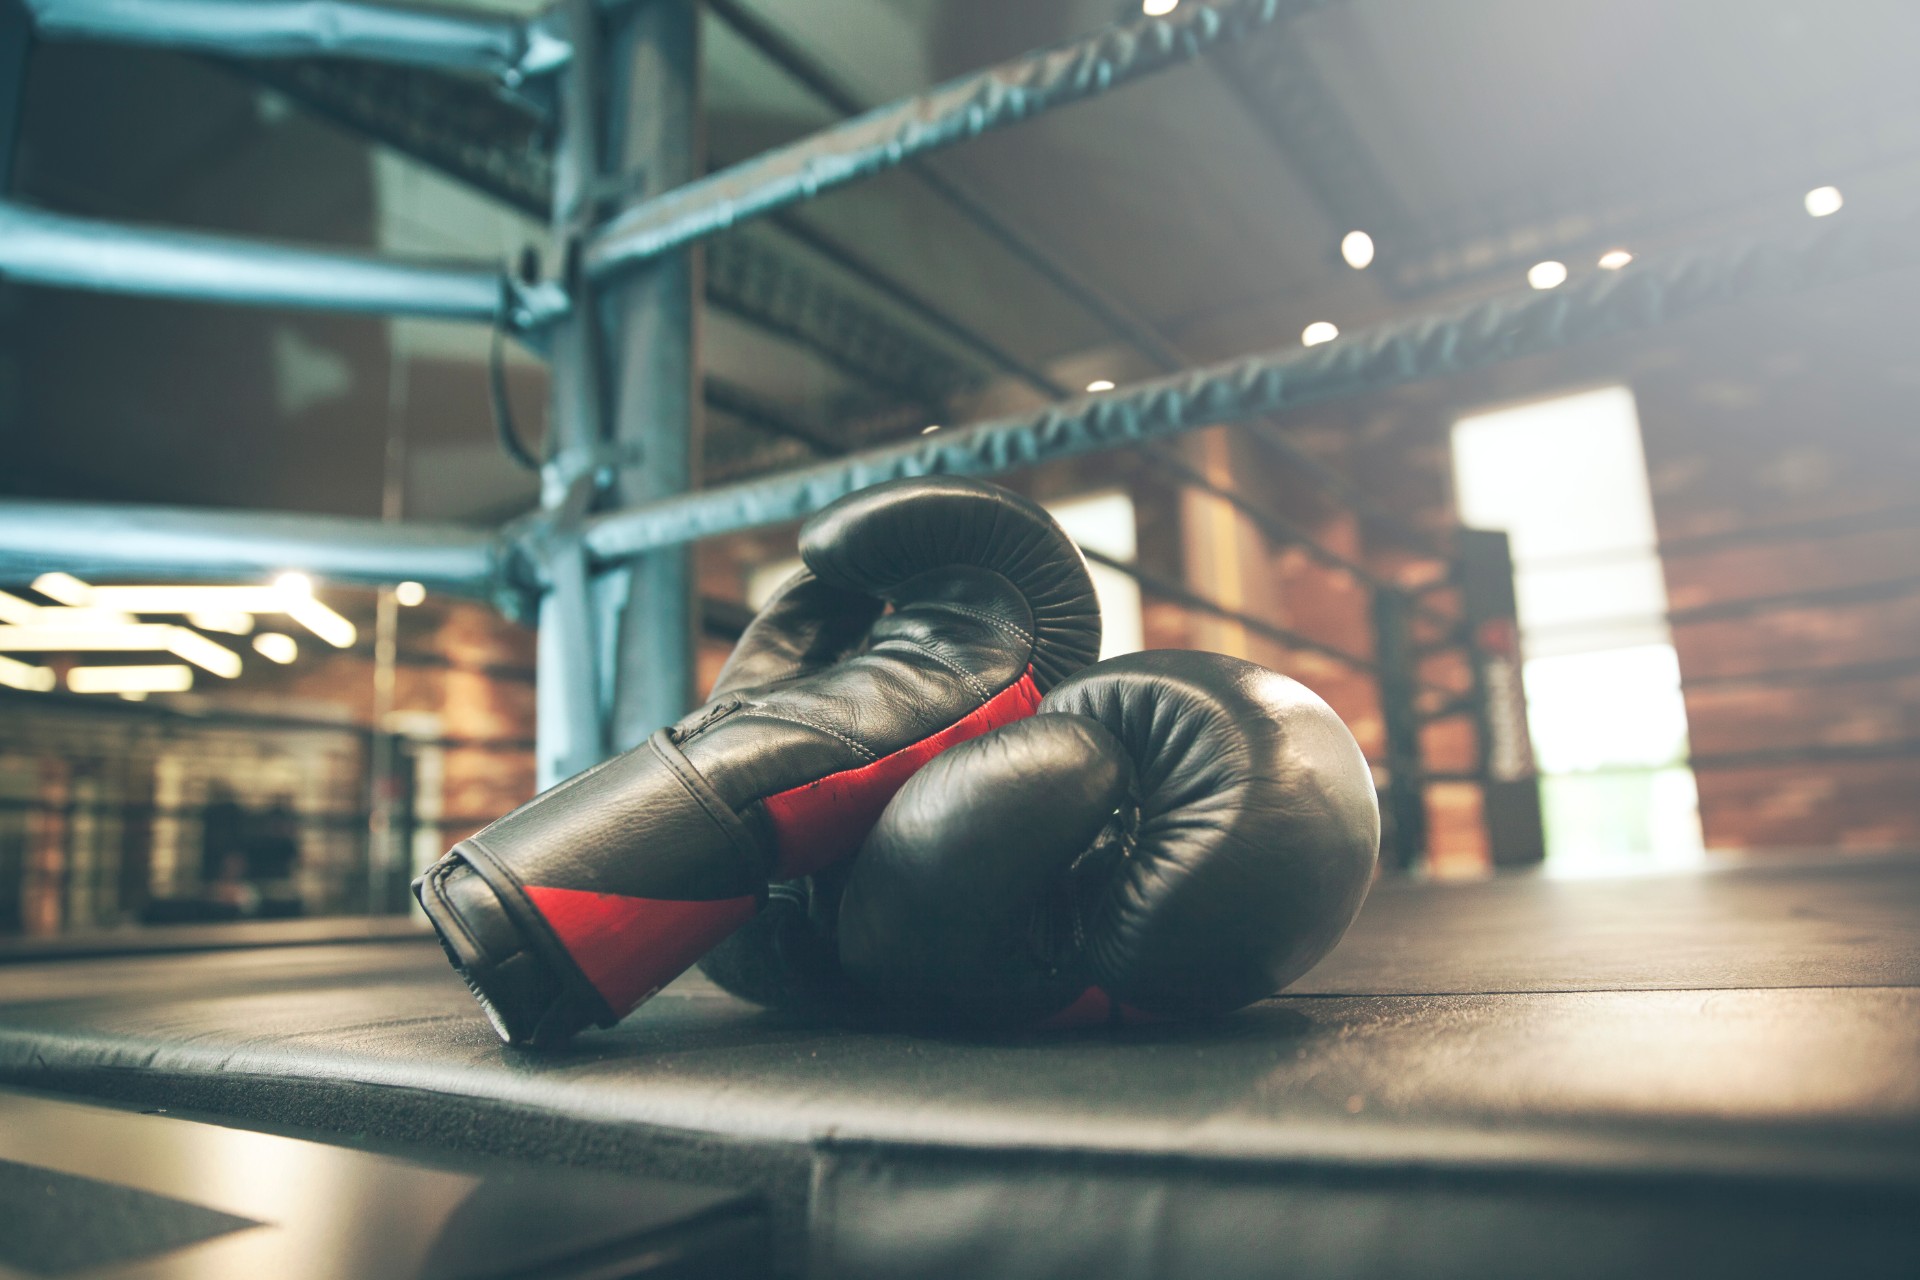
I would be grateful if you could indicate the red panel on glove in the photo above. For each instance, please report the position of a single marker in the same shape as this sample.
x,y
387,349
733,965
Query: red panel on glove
x,y
631,947
822,822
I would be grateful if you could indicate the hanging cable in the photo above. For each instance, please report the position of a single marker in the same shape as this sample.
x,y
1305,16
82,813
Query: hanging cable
x,y
502,406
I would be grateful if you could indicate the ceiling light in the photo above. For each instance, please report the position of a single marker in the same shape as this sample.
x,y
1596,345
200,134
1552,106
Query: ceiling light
x,y
233,622
133,637
1100,384
409,594
291,594
1158,8
1318,332
17,611
323,622
181,599
1547,275
1614,259
202,652
22,675
163,679
65,588
1822,201
275,647
929,429
1357,249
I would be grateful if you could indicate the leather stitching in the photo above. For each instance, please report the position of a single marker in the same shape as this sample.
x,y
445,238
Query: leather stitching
x,y
979,690
992,621
805,723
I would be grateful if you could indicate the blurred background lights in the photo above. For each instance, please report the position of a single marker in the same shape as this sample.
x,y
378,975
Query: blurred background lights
x,y
1318,332
1822,201
171,678
1614,259
25,676
1100,384
275,647
409,594
1357,249
1158,8
1547,275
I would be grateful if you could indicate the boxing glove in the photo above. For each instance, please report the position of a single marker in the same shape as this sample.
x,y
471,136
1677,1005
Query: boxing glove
x,y
580,904
1173,834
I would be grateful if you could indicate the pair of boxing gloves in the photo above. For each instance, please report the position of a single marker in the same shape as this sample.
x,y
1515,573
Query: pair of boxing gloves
x,y
1038,837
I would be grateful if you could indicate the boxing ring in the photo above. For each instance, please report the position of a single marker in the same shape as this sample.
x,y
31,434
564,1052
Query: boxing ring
x,y
1543,1091
603,563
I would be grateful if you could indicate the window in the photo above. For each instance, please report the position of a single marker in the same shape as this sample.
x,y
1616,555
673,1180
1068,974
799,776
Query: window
x,y
1103,523
1566,479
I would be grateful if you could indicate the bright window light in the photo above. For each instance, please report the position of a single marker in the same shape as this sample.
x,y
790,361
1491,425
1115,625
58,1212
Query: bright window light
x,y
1357,248
764,581
1614,259
1318,332
25,676
1104,522
1822,201
409,594
164,679
1547,275
1100,384
1158,8
1567,479
275,647
293,584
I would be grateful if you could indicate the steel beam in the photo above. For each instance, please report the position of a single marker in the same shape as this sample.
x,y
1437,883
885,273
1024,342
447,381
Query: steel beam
x,y
504,47
55,249
495,143
779,295
1641,296
955,112
111,540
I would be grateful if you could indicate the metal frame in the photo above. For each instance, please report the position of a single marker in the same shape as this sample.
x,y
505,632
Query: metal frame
x,y
604,562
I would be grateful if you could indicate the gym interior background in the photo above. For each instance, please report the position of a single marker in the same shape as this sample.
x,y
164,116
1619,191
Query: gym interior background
x,y
1696,645
1717,601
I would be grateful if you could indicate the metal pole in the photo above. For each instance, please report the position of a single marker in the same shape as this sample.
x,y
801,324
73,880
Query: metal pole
x,y
653,135
1406,807
569,729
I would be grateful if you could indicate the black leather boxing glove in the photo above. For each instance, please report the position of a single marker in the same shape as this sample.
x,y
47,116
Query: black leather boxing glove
x,y
1175,833
580,904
